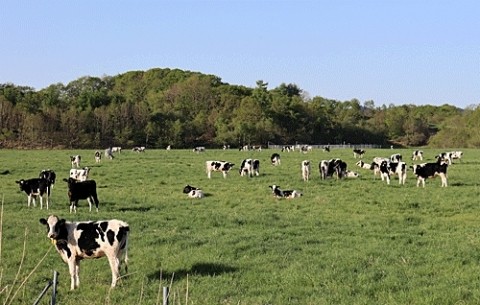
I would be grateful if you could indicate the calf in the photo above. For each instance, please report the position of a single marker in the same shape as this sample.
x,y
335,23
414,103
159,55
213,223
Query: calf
x,y
35,187
75,241
358,153
139,149
332,166
218,166
98,157
456,155
78,190
306,170
79,174
444,157
193,192
275,159
278,193
49,175
431,170
351,174
393,168
250,167
75,160
417,155
396,158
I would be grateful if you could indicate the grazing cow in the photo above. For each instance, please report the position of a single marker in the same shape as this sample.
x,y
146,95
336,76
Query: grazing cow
x,y
218,166
35,187
396,158
417,155
279,193
75,241
393,168
288,148
75,160
431,170
332,166
78,190
49,175
275,159
456,155
199,149
445,157
116,149
358,153
98,157
79,174
193,192
250,167
306,170
139,149
109,153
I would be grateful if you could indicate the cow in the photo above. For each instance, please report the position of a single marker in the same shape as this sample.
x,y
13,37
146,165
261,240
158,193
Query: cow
x,y
275,159
139,149
199,149
75,241
306,170
396,158
49,175
98,157
374,166
288,148
279,193
333,166
169,147
445,157
116,149
218,166
430,170
393,168
75,160
358,153
193,192
78,190
79,174
351,174
35,187
250,167
417,155
456,155
326,148
109,153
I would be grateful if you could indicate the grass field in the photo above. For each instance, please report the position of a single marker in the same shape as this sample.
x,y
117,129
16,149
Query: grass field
x,y
355,241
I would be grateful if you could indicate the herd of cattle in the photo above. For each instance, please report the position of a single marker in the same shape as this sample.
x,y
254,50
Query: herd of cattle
x,y
92,239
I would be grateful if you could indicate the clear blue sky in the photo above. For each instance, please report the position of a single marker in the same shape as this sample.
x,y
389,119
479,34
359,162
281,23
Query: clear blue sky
x,y
400,52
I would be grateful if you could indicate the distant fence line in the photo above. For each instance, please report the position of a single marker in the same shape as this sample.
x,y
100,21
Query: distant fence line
x,y
322,146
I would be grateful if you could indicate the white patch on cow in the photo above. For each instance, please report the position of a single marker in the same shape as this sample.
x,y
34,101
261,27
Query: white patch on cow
x,y
306,169
218,166
80,174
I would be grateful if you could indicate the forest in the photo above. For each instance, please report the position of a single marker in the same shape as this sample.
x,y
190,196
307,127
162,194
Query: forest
x,y
162,106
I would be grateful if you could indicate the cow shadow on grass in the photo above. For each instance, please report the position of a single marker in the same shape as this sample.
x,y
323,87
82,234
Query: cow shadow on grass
x,y
199,269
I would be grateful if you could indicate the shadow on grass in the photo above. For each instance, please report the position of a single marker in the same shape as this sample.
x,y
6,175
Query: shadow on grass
x,y
199,269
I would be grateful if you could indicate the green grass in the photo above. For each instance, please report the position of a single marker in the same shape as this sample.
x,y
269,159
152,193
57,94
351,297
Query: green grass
x,y
344,242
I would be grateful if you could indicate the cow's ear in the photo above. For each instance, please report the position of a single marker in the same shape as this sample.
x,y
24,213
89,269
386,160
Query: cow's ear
x,y
43,221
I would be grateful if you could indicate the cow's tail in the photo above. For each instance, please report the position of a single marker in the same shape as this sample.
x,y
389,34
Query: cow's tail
x,y
124,247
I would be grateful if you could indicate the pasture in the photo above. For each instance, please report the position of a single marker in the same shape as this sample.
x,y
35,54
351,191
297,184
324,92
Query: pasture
x,y
354,241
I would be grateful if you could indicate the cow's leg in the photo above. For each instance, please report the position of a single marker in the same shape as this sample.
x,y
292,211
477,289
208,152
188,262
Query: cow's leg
x,y
73,268
29,200
41,202
115,266
89,200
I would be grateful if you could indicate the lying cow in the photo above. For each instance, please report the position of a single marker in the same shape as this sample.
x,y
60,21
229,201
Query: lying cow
x,y
250,167
430,170
75,160
193,192
80,174
306,170
35,187
78,190
218,166
279,193
75,241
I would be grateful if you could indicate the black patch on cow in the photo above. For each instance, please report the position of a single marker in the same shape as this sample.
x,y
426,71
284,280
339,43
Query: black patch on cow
x,y
121,236
87,240
104,225
62,245
111,237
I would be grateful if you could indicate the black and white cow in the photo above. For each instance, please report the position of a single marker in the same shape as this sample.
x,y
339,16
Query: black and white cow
x,y
218,166
35,187
75,241
374,166
417,155
199,149
116,149
275,159
393,168
50,176
333,166
456,155
75,160
306,169
138,149
98,157
78,190
109,153
250,167
80,174
193,192
396,158
358,153
279,193
445,157
431,170
351,174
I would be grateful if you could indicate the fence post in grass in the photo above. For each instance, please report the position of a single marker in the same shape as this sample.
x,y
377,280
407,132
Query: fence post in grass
x,y
165,295
54,287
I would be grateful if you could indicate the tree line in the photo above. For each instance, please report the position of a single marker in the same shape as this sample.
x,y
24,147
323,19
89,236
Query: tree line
x,y
161,107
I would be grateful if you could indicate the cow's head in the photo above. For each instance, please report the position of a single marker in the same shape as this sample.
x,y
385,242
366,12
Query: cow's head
x,y
53,224
22,184
187,189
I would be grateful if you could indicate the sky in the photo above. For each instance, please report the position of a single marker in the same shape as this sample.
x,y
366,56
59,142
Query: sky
x,y
420,52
